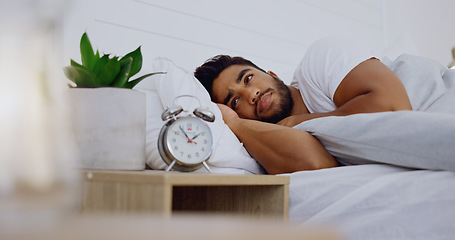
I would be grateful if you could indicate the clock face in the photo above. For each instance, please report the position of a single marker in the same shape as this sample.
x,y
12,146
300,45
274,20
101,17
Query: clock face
x,y
189,140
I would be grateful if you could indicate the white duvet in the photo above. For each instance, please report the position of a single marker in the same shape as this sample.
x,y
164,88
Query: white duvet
x,y
376,201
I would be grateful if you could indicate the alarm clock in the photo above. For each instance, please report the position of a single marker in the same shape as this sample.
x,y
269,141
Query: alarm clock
x,y
185,142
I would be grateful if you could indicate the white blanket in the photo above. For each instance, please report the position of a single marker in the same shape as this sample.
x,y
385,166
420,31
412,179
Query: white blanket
x,y
423,138
376,201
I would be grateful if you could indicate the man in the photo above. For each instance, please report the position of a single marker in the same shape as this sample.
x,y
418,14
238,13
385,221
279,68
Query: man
x,y
337,77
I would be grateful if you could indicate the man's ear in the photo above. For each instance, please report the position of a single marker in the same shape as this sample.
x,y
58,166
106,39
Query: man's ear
x,y
272,73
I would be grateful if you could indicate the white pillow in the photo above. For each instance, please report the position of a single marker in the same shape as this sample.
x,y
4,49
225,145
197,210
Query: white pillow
x,y
228,156
404,138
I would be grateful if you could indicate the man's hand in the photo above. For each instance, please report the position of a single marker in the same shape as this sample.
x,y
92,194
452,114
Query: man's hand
x,y
229,115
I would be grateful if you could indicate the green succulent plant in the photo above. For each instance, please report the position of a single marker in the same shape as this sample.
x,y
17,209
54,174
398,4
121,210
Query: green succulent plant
x,y
104,71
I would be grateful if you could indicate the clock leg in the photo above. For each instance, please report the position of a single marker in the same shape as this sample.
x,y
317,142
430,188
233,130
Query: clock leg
x,y
206,166
170,166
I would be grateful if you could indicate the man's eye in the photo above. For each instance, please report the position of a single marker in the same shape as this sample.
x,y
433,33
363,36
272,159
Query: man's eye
x,y
234,103
248,79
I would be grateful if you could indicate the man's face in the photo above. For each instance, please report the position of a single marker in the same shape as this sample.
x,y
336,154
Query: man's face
x,y
252,93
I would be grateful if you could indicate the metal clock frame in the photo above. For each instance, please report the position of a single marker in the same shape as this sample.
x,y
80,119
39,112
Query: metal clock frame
x,y
170,115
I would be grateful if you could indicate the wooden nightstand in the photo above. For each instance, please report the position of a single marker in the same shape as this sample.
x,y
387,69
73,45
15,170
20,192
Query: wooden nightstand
x,y
166,193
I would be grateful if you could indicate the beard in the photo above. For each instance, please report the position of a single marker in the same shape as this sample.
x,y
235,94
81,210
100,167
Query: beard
x,y
283,108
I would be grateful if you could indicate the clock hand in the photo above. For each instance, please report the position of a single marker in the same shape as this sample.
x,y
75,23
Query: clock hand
x,y
196,136
189,139
183,131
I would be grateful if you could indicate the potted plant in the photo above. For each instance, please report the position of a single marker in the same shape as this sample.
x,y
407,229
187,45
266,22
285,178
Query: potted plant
x,y
109,116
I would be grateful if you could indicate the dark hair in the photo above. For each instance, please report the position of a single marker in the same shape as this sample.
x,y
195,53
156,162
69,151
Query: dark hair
x,y
212,68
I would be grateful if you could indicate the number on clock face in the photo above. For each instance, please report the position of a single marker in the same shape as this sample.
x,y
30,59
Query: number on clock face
x,y
189,140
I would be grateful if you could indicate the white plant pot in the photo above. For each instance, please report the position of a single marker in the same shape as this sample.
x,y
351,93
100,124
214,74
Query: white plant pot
x,y
109,126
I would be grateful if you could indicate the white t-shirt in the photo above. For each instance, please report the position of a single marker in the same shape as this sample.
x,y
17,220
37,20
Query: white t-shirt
x,y
325,64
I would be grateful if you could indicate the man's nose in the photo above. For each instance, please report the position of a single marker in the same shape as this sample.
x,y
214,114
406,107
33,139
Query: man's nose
x,y
254,95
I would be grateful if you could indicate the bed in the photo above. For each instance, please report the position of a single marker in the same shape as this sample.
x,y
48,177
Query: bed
x,y
398,178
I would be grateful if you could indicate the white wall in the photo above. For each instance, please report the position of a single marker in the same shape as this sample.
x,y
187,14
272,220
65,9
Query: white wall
x,y
431,24
273,34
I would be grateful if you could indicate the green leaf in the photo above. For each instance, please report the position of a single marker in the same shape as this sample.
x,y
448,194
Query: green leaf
x,y
73,63
106,70
97,55
134,82
87,55
123,75
137,61
100,64
79,75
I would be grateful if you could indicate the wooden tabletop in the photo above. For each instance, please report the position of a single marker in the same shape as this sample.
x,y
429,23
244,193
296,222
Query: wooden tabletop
x,y
183,179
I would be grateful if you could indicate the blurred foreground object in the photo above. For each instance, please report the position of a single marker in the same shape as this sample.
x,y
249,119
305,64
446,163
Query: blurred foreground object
x,y
452,64
189,227
37,178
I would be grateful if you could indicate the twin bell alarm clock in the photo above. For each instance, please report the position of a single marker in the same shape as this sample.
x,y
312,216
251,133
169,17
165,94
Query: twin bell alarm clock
x,y
185,142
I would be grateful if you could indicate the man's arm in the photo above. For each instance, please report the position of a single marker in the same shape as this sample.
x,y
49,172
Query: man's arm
x,y
277,148
369,87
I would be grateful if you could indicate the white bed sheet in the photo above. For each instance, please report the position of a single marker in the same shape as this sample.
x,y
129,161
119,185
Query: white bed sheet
x,y
376,201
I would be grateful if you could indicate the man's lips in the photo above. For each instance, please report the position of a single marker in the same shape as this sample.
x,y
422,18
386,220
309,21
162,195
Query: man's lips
x,y
264,102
